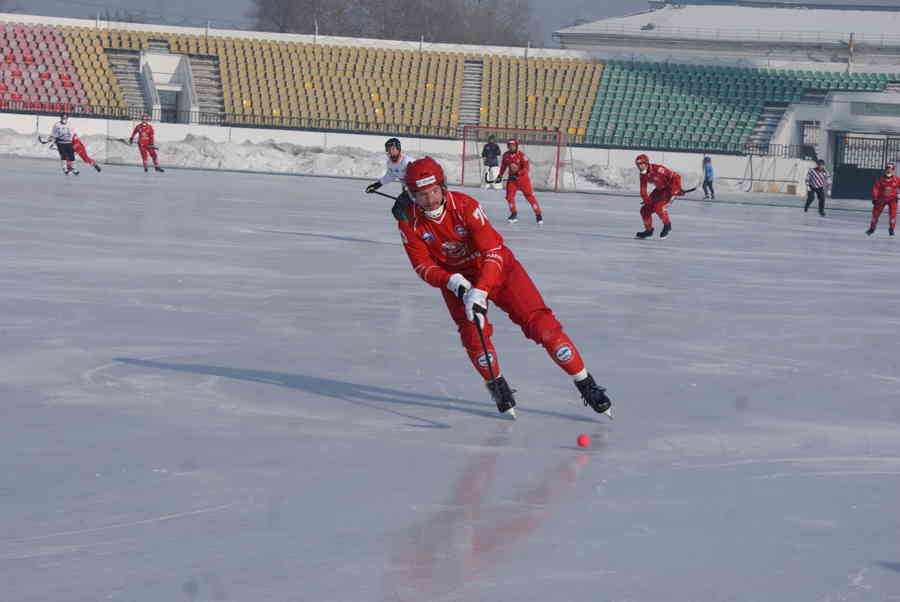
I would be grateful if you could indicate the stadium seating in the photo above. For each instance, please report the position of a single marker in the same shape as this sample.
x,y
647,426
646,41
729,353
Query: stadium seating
x,y
539,93
271,83
41,71
692,107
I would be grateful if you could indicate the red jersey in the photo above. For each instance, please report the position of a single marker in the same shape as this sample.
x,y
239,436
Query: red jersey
x,y
144,134
77,145
519,159
461,241
885,189
661,177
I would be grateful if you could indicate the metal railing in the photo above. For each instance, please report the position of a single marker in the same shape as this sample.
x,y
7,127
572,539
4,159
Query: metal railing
x,y
295,122
728,35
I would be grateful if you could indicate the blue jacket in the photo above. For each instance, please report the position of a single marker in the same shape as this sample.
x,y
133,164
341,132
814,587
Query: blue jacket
x,y
707,171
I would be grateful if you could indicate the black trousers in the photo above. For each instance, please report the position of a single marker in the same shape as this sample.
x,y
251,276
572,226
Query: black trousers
x,y
708,188
66,151
816,192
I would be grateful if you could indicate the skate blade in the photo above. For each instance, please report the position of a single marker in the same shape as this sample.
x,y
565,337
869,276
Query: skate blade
x,y
511,412
609,413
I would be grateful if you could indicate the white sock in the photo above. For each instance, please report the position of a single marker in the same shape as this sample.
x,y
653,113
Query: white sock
x,y
580,376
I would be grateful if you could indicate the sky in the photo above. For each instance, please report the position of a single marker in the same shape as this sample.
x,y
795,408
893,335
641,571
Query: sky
x,y
549,14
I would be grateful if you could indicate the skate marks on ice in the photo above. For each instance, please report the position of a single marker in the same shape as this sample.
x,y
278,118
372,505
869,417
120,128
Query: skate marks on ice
x,y
471,537
368,396
330,237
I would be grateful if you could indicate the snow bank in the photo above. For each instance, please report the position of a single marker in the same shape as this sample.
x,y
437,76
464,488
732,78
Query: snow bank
x,y
342,161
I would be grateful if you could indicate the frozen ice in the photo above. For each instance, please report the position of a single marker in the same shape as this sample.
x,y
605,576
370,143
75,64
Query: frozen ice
x,y
227,386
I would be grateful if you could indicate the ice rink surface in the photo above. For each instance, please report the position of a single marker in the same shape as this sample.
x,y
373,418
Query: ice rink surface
x,y
221,386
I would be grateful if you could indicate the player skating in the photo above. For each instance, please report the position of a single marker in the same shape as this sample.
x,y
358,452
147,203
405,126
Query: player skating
x,y
452,246
79,148
884,194
667,185
516,162
490,157
395,171
62,135
146,142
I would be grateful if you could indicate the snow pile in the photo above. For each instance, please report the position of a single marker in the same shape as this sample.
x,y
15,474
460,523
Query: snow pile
x,y
281,157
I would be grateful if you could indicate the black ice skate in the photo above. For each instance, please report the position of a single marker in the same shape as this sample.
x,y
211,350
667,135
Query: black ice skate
x,y
97,167
540,219
822,213
594,396
513,217
891,231
74,171
645,233
665,231
158,168
146,169
870,231
503,395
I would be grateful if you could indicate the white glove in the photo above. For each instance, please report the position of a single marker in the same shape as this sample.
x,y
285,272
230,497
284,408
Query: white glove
x,y
458,285
476,305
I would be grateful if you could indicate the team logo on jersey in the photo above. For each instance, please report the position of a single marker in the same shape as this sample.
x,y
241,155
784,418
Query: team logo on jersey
x,y
483,360
564,354
427,236
461,231
454,249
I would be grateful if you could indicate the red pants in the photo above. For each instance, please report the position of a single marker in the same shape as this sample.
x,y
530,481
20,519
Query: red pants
x,y
522,183
878,207
145,150
519,298
82,152
659,198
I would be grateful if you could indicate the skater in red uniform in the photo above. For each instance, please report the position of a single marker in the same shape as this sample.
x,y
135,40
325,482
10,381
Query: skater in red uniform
x,y
516,162
78,147
667,185
884,194
146,142
452,246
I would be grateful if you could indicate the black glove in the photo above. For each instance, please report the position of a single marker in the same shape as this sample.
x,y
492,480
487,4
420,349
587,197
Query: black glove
x,y
874,203
512,177
498,180
131,141
400,210
373,187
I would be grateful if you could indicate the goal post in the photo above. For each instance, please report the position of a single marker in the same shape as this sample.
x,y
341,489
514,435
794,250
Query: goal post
x,y
546,151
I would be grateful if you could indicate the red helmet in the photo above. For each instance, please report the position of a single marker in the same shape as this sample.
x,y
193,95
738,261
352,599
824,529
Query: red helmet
x,y
642,159
512,141
424,173
145,117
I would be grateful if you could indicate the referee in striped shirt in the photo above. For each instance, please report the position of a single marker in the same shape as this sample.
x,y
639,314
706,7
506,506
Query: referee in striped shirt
x,y
817,179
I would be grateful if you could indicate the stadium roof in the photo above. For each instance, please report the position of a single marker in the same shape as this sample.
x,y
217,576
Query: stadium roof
x,y
752,20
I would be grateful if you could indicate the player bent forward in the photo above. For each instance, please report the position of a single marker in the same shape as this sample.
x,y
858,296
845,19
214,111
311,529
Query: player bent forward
x,y
452,246
667,185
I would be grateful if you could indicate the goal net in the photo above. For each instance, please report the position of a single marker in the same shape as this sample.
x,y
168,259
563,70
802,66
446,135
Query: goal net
x,y
546,151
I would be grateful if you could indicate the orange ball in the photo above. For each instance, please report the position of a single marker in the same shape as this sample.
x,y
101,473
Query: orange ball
x,y
583,440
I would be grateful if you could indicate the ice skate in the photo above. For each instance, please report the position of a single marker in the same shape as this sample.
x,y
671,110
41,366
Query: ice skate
x,y
645,233
891,231
540,219
158,168
502,395
513,217
665,231
74,171
97,167
146,169
870,231
594,396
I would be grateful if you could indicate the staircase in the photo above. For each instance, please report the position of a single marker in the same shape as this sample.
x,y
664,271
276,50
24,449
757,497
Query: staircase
x,y
767,124
470,102
207,84
126,67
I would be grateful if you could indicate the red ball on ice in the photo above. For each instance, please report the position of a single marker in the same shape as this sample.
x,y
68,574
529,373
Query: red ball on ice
x,y
583,440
